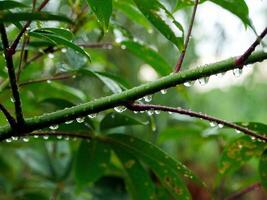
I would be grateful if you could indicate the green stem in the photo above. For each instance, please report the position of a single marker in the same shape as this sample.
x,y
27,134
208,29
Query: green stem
x,y
127,96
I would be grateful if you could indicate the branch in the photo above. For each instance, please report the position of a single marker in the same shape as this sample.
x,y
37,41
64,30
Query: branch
x,y
145,107
130,95
239,194
241,60
181,58
8,116
12,76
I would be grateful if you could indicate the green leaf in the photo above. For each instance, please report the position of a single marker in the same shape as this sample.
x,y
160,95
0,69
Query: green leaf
x,y
137,178
57,31
263,169
5,5
163,20
28,16
110,83
255,126
238,153
237,7
168,170
132,13
59,41
149,55
92,161
113,120
102,10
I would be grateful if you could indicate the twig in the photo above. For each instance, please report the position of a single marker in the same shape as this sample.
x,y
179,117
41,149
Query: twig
x,y
144,107
59,77
239,194
23,30
8,116
12,76
21,57
181,58
241,60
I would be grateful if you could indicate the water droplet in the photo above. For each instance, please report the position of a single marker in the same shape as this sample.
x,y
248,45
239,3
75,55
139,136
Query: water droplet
x,y
14,138
45,137
237,72
240,146
157,112
12,100
69,122
148,98
36,136
80,119
25,139
67,138
213,124
92,115
135,112
63,50
28,29
203,81
8,140
123,47
220,75
59,137
51,56
53,127
220,125
237,131
189,83
150,112
164,91
49,81
120,109
253,138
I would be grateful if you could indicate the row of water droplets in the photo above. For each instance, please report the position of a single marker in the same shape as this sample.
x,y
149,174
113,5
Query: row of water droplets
x,y
237,72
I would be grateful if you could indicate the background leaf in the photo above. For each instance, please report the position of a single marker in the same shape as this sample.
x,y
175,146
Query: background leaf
x,y
139,183
149,55
263,169
92,161
163,20
103,10
5,5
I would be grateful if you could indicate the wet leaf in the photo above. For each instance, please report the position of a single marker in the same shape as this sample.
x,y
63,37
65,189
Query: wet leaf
x,y
5,5
263,169
163,20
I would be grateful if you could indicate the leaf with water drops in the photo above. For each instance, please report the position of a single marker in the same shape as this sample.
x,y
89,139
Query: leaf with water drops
x,y
120,109
255,126
102,10
148,98
113,120
263,169
163,20
168,170
137,178
149,55
238,152
59,40
92,160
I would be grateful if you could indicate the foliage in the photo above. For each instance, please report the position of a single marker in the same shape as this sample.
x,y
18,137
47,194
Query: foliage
x,y
73,65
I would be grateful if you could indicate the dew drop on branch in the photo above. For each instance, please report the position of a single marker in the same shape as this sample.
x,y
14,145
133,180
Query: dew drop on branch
x,y
92,116
148,98
163,91
203,81
59,137
69,122
157,112
120,109
220,125
25,139
8,140
150,112
80,119
189,83
237,131
51,55
53,127
237,72
213,124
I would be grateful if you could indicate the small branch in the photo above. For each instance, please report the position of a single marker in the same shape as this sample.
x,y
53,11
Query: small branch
x,y
12,76
241,60
8,116
23,30
239,194
181,58
59,77
145,107
21,58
